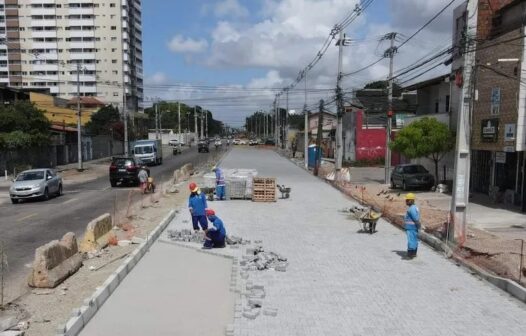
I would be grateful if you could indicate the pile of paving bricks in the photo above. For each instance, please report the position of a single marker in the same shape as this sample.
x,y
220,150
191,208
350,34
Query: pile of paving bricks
x,y
255,293
186,235
235,242
257,258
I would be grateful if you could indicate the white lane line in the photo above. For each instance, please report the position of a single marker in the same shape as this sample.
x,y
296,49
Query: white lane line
x,y
26,217
107,188
69,201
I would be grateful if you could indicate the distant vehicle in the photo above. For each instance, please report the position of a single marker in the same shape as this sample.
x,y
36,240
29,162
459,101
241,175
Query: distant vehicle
x,y
173,142
202,147
411,176
218,142
177,150
253,142
270,142
243,142
125,170
35,184
260,142
149,151
236,142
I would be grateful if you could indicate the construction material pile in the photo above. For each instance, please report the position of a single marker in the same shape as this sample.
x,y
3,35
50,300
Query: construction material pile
x,y
186,235
238,182
236,241
257,259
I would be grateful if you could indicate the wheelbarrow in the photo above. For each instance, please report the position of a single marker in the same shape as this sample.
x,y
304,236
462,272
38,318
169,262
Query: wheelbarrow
x,y
285,191
367,217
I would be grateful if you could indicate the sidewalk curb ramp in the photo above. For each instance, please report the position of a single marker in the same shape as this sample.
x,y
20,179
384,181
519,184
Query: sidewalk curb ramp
x,y
81,316
507,285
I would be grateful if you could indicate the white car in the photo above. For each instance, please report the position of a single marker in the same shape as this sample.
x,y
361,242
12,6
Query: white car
x,y
218,143
236,142
243,142
174,142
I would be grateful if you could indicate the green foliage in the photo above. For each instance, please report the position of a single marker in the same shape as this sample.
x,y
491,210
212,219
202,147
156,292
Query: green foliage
x,y
103,120
22,125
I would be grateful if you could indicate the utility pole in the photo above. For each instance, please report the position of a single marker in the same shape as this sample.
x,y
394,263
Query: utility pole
x,y
202,125
339,116
179,120
275,120
389,53
206,124
157,120
306,128
195,122
285,137
318,139
79,122
460,192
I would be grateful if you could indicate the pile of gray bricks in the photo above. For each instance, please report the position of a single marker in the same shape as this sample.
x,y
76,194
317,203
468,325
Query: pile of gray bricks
x,y
257,258
236,241
186,235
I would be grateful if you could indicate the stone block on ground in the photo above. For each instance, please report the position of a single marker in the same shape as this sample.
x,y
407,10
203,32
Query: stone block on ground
x,y
55,261
97,235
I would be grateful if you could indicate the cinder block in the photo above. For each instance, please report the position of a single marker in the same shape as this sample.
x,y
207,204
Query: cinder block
x,y
121,272
112,282
255,303
88,311
270,311
100,296
252,314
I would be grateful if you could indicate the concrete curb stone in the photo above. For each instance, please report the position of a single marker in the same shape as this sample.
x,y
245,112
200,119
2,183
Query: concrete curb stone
x,y
75,324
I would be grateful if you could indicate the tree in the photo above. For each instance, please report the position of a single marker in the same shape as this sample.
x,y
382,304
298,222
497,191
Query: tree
x,y
427,138
103,121
22,125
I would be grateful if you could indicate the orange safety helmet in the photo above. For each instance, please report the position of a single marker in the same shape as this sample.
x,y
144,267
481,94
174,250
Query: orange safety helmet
x,y
193,187
210,212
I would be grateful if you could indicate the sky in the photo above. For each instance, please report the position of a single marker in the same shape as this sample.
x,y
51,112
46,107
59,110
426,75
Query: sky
x,y
233,56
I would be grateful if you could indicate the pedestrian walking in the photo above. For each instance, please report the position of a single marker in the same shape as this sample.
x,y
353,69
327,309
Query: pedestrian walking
x,y
197,206
143,178
294,147
412,225
220,183
215,235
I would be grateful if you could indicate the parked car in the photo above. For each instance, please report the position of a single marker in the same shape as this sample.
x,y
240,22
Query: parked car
x,y
236,142
218,143
202,146
409,176
253,142
173,142
270,142
243,142
126,170
35,184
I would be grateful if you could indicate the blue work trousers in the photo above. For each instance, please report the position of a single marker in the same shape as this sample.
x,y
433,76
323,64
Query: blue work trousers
x,y
196,220
220,192
412,237
216,239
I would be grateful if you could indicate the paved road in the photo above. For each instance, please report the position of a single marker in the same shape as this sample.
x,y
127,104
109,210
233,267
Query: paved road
x,y
26,226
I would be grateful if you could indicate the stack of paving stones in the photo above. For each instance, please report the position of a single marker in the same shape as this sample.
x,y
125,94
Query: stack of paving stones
x,y
257,258
186,235
235,242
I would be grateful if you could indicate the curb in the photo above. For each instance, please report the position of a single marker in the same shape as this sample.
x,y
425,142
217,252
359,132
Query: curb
x,y
81,316
507,285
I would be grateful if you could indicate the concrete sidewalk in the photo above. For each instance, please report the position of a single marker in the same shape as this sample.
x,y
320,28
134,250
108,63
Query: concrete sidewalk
x,y
341,282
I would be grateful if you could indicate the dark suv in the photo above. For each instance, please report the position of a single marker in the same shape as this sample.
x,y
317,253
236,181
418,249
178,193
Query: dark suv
x,y
125,170
202,146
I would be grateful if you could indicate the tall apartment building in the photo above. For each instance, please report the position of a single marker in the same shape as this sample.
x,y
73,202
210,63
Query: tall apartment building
x,y
43,41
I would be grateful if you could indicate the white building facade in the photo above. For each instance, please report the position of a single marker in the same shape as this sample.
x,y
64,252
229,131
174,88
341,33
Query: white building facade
x,y
46,41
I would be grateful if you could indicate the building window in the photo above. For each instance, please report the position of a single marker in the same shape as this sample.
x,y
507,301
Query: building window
x,y
112,5
115,94
436,106
447,103
113,27
114,61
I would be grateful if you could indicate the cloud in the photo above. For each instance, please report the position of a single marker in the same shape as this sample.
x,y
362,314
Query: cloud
x,y
158,78
182,45
230,8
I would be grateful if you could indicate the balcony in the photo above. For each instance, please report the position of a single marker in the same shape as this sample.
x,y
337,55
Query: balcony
x,y
82,56
43,33
83,78
44,23
81,22
81,45
43,11
80,11
81,33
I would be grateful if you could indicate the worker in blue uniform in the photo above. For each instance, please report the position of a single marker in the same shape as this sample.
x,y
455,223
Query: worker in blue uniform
x,y
220,183
197,206
412,225
215,235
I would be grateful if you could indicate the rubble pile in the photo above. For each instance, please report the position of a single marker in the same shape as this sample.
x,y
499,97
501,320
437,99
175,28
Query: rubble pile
x,y
186,235
257,259
233,240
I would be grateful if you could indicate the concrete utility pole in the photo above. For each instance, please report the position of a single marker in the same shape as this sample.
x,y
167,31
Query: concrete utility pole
x,y
206,124
285,137
275,120
157,120
306,128
389,53
195,122
460,192
202,125
79,122
339,115
319,136
179,120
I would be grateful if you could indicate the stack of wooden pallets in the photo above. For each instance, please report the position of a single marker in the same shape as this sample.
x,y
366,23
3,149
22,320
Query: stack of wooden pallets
x,y
264,189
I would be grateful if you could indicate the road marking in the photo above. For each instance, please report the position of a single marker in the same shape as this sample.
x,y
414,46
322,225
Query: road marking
x,y
69,201
27,217
107,188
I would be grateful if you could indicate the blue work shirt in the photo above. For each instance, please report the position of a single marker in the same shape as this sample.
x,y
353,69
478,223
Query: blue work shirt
x,y
220,177
412,216
197,202
218,225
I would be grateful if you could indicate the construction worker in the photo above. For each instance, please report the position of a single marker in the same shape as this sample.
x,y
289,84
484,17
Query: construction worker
x,y
412,225
143,178
215,235
197,206
220,183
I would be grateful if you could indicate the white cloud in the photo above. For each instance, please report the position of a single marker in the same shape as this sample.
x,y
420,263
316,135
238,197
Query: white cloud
x,y
180,44
158,78
230,8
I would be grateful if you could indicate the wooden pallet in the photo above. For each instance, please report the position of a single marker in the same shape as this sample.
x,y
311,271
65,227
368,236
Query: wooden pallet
x,y
264,189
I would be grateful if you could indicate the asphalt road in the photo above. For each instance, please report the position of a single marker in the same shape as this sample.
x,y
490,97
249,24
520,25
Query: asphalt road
x,y
26,226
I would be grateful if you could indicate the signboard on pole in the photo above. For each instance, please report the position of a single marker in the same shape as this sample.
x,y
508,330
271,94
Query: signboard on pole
x,y
489,130
500,157
509,132
495,101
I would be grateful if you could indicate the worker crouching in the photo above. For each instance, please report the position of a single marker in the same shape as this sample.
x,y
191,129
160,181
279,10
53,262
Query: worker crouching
x,y
412,225
215,234
197,206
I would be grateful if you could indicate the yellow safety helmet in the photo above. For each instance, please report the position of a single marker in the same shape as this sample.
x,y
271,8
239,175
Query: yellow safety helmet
x,y
410,197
